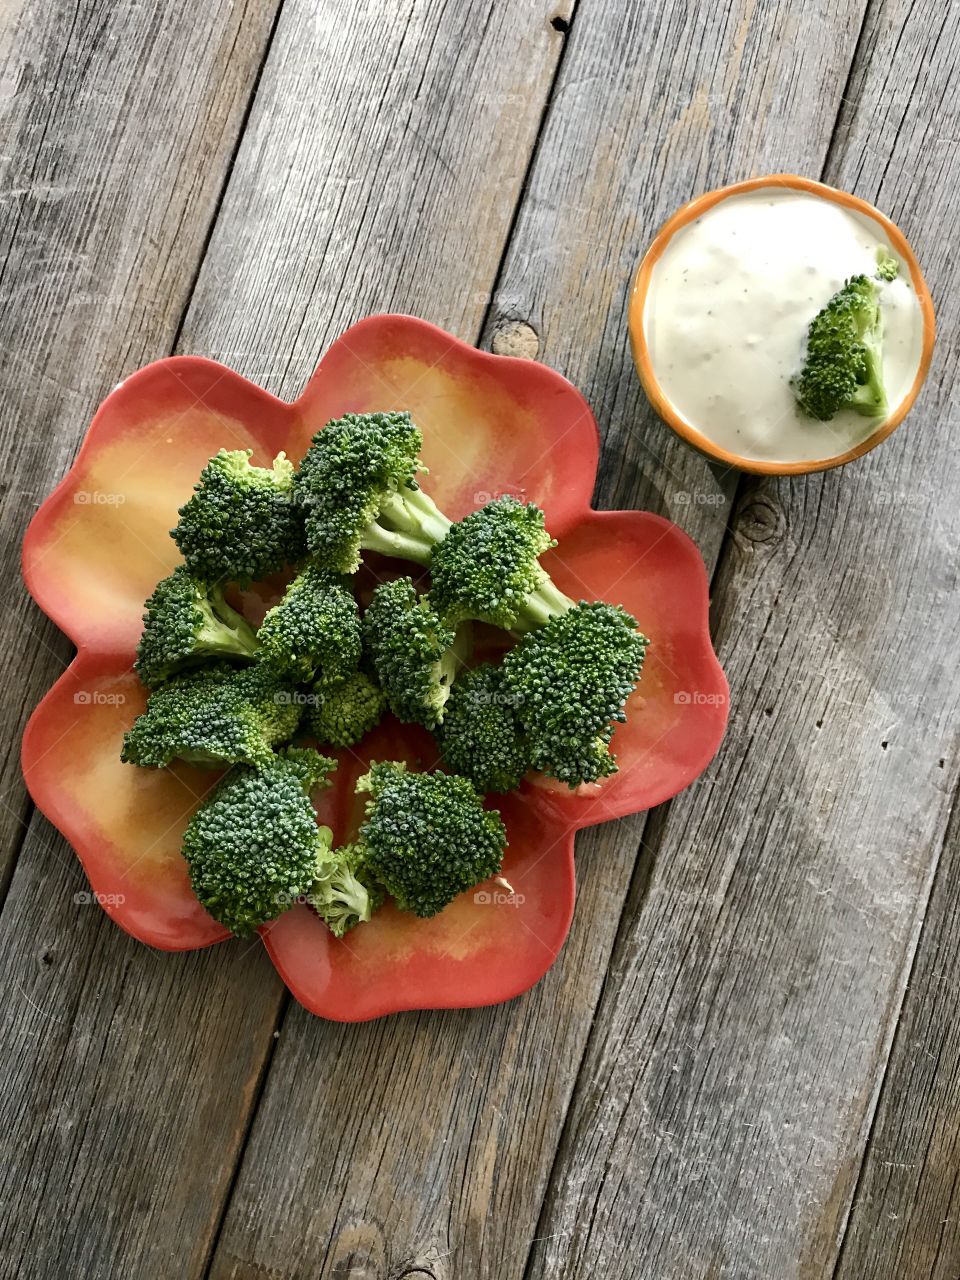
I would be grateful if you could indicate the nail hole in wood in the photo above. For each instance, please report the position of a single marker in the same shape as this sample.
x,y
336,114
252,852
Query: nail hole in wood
x,y
560,24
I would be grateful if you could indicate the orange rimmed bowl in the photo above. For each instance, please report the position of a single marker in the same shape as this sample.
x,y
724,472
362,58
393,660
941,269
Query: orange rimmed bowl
x,y
641,354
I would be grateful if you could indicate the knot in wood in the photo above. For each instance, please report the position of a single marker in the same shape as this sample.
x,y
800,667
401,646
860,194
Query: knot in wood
x,y
514,338
760,520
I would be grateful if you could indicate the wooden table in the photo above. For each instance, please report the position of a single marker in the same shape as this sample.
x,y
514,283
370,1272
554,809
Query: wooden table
x,y
745,1062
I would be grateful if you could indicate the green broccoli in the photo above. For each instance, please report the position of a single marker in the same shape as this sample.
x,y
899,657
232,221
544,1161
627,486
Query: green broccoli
x,y
314,629
569,682
186,622
480,736
254,847
340,714
487,568
357,485
412,653
426,836
212,716
343,893
888,267
843,368
243,521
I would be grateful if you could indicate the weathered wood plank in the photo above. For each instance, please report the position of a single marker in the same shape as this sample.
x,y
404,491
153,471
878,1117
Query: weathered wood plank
x,y
129,1075
423,1145
733,1068
391,191
118,125
176,1045
906,1215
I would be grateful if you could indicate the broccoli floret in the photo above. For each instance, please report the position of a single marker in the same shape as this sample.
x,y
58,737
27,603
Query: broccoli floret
x,y
411,651
186,622
888,267
487,568
344,894
480,736
357,485
212,716
243,521
570,681
340,714
315,629
254,847
843,368
426,836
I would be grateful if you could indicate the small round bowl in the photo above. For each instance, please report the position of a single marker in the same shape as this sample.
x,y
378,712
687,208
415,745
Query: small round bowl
x,y
655,394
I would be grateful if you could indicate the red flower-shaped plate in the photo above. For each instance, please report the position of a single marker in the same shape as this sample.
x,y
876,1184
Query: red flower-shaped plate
x,y
491,425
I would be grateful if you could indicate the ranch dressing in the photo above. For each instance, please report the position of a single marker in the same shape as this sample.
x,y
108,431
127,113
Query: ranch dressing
x,y
726,316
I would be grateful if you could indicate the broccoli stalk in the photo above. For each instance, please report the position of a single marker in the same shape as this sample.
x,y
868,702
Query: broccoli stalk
x,y
254,848
426,837
243,522
186,622
343,894
546,602
487,569
843,368
409,526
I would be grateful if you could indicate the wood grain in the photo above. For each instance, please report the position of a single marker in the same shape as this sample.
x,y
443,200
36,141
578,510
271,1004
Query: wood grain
x,y
175,1047
118,125
424,1144
906,1215
388,185
739,1046
128,1074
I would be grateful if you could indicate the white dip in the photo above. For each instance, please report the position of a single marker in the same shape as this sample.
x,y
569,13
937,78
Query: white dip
x,y
726,316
